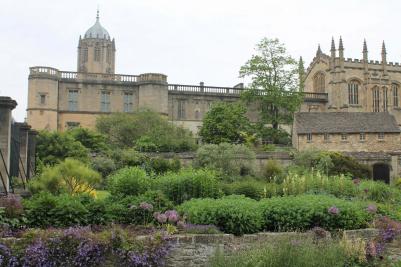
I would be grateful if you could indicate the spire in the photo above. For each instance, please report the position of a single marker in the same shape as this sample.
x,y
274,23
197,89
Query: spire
x,y
384,58
319,51
333,46
384,52
365,47
301,74
97,14
340,45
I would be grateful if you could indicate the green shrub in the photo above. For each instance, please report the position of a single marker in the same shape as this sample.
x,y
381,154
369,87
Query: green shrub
x,y
104,165
232,214
92,140
70,176
45,210
128,158
230,160
129,181
161,165
379,192
273,171
248,187
189,183
307,211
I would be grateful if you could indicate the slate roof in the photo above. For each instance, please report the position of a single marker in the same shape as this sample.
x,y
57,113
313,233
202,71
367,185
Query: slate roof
x,y
345,122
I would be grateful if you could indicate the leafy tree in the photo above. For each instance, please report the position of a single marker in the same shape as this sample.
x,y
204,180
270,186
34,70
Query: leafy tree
x,y
146,130
275,85
94,141
225,123
54,147
70,176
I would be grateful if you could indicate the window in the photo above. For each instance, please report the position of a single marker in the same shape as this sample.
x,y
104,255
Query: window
x,y
395,95
326,137
108,55
353,93
309,137
72,124
72,100
376,99
319,83
362,137
380,136
85,54
105,101
344,137
42,99
181,109
97,54
128,103
385,100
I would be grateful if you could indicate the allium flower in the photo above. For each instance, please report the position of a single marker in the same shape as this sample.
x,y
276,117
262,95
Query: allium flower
x,y
371,249
146,206
181,224
172,216
356,181
371,209
161,218
333,210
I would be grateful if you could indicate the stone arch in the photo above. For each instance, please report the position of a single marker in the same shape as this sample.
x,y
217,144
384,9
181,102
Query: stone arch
x,y
381,172
319,82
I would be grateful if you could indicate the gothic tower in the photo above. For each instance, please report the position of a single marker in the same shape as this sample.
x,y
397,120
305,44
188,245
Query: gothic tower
x,y
96,51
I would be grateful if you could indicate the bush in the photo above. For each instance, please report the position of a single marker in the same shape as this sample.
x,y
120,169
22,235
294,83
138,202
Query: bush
x,y
379,192
70,176
93,141
248,187
45,210
273,171
307,211
275,136
161,166
128,158
230,160
189,183
233,214
104,165
129,181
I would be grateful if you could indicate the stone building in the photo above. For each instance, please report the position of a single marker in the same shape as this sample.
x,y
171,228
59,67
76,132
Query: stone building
x,y
61,99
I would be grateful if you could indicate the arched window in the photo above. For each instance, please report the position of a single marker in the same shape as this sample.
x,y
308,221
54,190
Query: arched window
x,y
395,95
319,83
353,87
376,99
85,54
97,54
385,99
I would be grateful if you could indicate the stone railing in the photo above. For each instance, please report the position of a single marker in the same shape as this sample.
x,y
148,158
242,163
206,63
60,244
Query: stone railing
x,y
315,97
205,89
48,72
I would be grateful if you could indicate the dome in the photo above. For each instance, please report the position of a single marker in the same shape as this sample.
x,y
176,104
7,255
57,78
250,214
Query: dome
x,y
97,31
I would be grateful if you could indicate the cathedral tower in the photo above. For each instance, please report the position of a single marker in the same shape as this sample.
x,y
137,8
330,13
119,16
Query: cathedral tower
x,y
96,51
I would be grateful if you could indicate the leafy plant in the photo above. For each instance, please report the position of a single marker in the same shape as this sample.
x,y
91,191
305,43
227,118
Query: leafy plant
x,y
273,171
248,187
129,181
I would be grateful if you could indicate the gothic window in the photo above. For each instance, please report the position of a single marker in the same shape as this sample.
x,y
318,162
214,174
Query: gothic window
x,y
353,87
105,101
108,55
85,54
319,83
128,102
97,54
395,95
181,109
376,99
72,100
385,99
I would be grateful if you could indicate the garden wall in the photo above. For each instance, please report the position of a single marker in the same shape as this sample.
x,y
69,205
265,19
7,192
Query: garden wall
x,y
196,250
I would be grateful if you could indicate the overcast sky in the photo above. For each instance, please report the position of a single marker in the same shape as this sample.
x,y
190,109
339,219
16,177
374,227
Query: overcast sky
x,y
188,40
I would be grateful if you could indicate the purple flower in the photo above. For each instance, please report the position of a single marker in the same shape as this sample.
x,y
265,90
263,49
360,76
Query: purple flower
x,y
371,209
172,216
146,206
161,218
333,210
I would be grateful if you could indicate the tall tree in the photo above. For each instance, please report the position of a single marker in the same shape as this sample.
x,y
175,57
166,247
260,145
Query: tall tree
x,y
275,85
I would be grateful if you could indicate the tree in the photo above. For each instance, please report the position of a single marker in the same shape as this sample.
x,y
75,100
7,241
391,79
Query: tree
x,y
54,147
95,142
275,84
225,123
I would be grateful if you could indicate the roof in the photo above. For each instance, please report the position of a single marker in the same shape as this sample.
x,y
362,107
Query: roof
x,y
97,31
345,122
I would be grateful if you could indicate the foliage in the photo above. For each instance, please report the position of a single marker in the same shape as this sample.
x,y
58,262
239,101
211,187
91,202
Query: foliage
x,y
273,171
295,251
54,147
129,181
378,191
189,183
200,229
227,159
83,247
225,123
148,130
307,211
275,85
93,141
248,187
160,165
104,165
272,135
70,176
332,163
233,214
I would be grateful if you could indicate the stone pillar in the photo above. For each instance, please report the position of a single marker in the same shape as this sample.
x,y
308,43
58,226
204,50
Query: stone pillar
x,y
23,149
6,106
153,92
31,168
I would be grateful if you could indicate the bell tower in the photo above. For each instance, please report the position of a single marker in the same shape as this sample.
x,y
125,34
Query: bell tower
x,y
96,51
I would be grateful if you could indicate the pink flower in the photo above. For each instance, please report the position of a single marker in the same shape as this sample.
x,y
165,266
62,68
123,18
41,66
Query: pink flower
x,y
146,206
371,209
172,216
333,210
161,218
